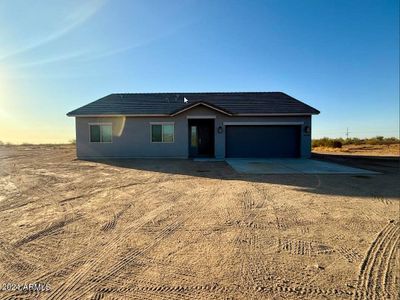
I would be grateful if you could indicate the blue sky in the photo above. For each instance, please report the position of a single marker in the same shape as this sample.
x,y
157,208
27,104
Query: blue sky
x,y
342,57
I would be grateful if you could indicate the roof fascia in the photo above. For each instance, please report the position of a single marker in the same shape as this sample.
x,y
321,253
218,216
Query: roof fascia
x,y
200,103
272,114
119,115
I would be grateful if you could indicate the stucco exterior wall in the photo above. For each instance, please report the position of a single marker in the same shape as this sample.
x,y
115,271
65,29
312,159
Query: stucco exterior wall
x,y
131,135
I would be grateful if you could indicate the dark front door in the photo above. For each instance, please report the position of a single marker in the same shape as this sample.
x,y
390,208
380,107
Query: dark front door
x,y
201,137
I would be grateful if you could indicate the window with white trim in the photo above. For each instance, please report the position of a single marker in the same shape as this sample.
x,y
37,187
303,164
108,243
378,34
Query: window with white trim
x,y
100,133
162,133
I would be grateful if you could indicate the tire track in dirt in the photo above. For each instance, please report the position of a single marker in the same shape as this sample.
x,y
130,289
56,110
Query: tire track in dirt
x,y
261,280
179,273
164,291
373,281
310,291
135,255
287,218
253,203
351,255
389,277
142,289
67,268
52,228
79,266
149,181
218,291
15,261
96,260
95,192
302,247
131,256
256,277
292,246
253,271
69,286
113,222
384,201
182,270
251,224
13,205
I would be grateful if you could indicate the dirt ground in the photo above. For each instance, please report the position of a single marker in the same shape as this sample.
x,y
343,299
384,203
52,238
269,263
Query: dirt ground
x,y
369,150
178,229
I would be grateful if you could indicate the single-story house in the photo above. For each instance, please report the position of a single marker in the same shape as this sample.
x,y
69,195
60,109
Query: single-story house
x,y
186,125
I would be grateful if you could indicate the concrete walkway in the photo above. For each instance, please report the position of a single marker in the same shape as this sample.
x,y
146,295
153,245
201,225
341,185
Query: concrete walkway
x,y
292,166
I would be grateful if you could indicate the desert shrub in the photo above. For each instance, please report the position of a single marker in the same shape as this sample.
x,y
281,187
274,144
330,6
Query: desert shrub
x,y
337,144
327,142
324,142
1,143
353,141
72,142
379,140
315,143
376,140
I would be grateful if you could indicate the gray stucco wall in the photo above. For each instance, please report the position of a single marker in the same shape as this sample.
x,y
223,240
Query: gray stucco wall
x,y
131,135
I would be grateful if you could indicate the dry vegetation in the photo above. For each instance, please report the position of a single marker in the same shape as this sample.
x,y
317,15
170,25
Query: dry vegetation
x,y
153,229
377,146
364,149
378,140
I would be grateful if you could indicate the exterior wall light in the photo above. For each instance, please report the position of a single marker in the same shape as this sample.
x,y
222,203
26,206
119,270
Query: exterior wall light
x,y
219,130
307,129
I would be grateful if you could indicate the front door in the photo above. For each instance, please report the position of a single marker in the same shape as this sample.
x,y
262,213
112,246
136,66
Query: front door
x,y
201,137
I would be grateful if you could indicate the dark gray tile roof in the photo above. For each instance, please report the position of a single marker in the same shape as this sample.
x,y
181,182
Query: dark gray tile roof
x,y
170,103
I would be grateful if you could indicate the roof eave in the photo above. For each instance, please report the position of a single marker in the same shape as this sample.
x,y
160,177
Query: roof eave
x,y
175,114
273,114
115,115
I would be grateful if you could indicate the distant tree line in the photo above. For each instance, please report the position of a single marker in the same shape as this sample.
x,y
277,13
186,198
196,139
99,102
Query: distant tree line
x,y
339,142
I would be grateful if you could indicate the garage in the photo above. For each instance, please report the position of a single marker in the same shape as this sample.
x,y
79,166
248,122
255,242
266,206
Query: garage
x,y
262,141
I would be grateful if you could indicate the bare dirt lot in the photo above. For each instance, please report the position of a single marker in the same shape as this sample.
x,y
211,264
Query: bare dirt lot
x,y
365,149
170,229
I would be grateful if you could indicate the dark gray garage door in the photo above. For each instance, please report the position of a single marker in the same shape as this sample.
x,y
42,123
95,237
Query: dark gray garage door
x,y
262,141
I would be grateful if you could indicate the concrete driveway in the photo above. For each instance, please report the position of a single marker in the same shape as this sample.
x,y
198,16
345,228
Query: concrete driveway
x,y
292,166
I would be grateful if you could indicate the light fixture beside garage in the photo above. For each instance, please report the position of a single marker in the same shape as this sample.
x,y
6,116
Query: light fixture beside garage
x,y
219,130
307,129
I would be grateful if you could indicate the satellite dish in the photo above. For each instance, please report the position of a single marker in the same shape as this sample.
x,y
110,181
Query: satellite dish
x,y
185,100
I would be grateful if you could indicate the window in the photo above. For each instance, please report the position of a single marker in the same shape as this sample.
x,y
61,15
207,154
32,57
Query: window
x,y
193,140
100,133
162,133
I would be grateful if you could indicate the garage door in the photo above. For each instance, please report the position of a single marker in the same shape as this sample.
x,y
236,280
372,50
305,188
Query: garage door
x,y
262,141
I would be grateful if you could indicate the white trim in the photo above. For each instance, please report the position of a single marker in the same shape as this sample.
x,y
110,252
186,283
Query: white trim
x,y
197,104
261,123
201,117
100,124
162,132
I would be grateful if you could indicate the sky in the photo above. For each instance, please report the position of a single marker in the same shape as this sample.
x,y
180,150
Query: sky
x,y
341,57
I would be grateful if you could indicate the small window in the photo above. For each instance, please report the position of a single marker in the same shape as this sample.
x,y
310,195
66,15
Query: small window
x,y
162,133
168,133
193,140
100,133
156,133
